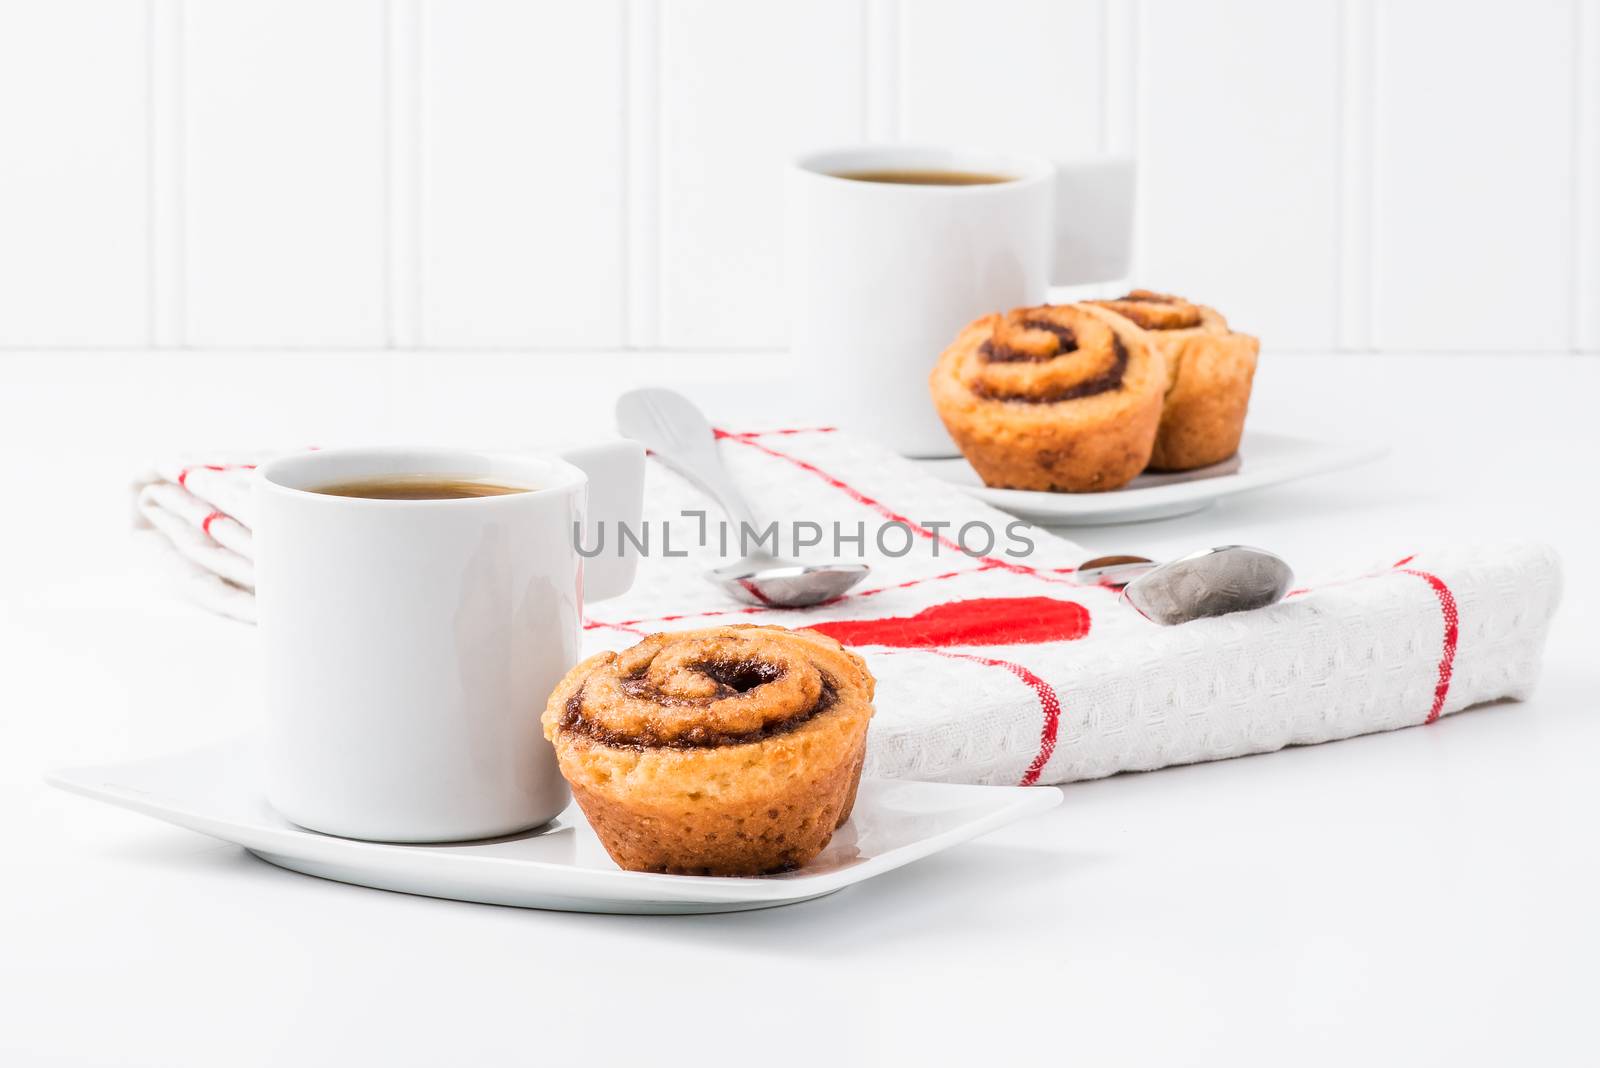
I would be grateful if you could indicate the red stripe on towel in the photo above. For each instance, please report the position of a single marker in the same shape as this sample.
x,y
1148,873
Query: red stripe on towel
x,y
591,624
629,623
183,475
205,524
754,608
747,434
1452,632
1049,707
919,581
1452,624
1396,566
895,517
850,491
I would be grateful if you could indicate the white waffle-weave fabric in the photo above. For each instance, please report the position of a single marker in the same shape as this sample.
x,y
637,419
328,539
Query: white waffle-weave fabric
x,y
1004,670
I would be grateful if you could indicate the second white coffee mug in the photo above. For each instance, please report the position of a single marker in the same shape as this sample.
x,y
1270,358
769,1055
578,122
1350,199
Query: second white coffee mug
x,y
410,645
881,276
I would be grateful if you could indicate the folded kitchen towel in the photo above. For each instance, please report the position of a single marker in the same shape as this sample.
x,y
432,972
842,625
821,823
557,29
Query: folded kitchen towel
x,y
201,509
994,664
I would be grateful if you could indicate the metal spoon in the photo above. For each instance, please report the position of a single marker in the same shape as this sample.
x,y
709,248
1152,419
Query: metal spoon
x,y
674,430
1211,582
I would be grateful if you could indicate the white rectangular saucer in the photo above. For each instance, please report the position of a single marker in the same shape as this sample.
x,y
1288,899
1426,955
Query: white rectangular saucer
x,y
217,791
1263,460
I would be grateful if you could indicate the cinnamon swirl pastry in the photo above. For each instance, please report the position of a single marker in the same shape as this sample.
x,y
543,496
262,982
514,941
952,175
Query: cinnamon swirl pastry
x,y
1061,397
728,751
1210,369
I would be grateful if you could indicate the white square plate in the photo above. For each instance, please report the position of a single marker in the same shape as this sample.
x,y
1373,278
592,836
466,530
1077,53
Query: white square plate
x,y
217,791
1263,460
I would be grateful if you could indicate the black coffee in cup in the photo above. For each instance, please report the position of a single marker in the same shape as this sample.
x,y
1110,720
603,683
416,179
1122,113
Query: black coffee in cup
x,y
418,488
924,177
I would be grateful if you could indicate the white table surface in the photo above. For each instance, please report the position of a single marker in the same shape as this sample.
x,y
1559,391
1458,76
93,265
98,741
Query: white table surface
x,y
1422,897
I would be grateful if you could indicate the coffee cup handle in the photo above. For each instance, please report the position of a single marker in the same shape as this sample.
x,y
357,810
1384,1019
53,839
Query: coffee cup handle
x,y
616,499
1094,219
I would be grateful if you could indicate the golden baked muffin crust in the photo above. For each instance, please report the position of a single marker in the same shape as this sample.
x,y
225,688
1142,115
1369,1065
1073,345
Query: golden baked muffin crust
x,y
726,751
1058,397
1210,367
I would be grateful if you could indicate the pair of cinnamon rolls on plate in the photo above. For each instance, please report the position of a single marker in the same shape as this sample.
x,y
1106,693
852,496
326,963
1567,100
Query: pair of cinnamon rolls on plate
x,y
1080,398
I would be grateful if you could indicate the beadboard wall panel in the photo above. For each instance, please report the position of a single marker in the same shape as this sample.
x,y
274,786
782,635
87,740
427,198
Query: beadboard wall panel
x,y
540,174
1474,201
73,174
521,193
1239,152
1021,76
743,87
284,180
1586,177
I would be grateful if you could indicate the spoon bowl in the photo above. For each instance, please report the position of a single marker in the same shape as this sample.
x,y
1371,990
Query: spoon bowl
x,y
787,584
1211,582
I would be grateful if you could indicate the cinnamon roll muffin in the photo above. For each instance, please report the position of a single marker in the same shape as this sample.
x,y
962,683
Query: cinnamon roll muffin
x,y
727,751
1210,368
1059,397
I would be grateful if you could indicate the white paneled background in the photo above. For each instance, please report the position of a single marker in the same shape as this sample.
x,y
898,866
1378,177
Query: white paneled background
x,y
1335,174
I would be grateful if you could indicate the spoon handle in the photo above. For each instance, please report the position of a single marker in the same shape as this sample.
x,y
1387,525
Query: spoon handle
x,y
674,430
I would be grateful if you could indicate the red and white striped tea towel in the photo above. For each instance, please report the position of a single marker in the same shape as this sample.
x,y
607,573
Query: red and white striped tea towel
x,y
202,512
995,669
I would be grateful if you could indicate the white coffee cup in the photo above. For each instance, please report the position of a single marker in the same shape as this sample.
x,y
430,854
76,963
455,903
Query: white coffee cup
x,y
410,645
881,277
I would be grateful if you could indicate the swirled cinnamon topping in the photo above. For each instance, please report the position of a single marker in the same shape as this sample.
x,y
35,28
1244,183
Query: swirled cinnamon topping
x,y
702,690
1155,311
1045,355
1013,346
